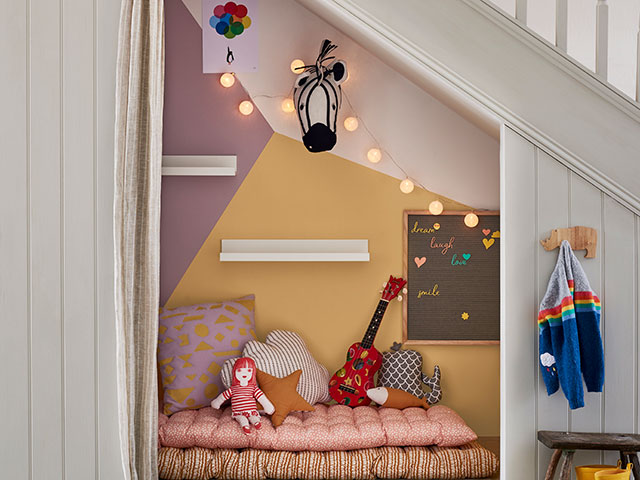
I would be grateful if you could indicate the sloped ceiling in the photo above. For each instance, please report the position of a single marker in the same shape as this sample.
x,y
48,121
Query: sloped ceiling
x,y
435,145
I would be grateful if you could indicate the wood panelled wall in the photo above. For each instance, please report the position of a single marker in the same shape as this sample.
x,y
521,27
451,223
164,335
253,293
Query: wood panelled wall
x,y
548,196
58,395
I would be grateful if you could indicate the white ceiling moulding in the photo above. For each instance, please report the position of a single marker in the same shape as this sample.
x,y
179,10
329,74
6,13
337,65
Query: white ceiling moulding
x,y
200,165
294,250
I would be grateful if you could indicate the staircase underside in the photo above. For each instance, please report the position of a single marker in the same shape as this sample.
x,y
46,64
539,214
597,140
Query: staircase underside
x,y
492,70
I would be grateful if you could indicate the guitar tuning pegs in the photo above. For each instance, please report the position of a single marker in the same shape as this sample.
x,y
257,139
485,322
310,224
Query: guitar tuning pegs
x,y
384,285
399,298
405,291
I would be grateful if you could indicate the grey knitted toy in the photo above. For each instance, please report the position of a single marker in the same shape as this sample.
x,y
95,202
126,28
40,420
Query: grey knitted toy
x,y
402,369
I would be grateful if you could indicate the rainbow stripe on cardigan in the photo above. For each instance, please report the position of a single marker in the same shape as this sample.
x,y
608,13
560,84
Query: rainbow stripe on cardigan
x,y
570,344
577,302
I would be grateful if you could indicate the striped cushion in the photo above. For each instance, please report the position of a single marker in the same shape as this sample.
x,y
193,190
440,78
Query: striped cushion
x,y
469,461
281,354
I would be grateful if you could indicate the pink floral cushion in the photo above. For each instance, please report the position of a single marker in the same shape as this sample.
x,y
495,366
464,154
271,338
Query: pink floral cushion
x,y
193,344
335,427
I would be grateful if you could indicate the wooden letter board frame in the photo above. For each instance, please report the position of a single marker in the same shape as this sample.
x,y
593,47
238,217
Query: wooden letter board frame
x,y
405,262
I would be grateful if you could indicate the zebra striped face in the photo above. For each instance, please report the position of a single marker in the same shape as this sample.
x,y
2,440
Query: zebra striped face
x,y
317,99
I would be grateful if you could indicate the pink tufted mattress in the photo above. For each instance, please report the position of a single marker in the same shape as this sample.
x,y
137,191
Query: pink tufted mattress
x,y
329,428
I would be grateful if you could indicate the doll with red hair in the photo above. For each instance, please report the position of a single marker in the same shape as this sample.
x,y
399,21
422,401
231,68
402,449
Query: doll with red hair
x,y
243,393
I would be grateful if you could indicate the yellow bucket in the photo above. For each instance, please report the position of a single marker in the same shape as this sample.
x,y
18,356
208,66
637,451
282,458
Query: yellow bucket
x,y
614,474
587,472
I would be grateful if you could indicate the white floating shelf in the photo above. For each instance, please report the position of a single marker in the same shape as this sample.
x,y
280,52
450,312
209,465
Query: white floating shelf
x,y
294,251
200,165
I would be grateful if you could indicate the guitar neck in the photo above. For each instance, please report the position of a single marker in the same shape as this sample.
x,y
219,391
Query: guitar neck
x,y
370,334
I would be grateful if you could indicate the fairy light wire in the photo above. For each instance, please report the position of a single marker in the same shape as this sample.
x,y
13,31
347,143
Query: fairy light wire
x,y
377,143
368,131
360,120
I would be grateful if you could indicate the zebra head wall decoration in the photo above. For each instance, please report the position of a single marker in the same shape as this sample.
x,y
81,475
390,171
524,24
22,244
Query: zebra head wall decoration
x,y
317,97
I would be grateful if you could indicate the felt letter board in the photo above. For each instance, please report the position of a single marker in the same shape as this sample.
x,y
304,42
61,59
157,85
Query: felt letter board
x,y
453,274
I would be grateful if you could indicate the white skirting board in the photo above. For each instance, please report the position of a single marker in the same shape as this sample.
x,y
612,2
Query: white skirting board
x,y
199,165
294,250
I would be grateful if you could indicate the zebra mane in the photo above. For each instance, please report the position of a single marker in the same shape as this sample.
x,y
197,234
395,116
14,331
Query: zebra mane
x,y
318,68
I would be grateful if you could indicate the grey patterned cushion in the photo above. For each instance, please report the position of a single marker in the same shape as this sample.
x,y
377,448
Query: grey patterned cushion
x,y
402,369
281,354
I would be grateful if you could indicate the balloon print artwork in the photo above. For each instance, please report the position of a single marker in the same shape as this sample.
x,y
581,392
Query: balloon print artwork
x,y
229,36
230,19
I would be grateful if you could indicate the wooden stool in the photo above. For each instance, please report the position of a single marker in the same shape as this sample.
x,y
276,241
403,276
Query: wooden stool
x,y
565,445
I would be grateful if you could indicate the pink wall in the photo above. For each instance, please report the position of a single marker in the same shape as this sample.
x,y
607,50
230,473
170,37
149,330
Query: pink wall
x,y
200,118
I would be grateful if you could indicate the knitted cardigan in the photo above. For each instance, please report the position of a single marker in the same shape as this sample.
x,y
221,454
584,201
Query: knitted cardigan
x,y
569,330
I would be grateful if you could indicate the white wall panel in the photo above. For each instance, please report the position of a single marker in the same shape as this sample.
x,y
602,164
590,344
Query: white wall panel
x,y
14,236
518,312
619,320
585,208
106,19
565,198
79,239
45,128
56,240
552,212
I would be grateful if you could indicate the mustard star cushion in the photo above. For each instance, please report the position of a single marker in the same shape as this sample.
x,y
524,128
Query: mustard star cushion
x,y
282,393
282,353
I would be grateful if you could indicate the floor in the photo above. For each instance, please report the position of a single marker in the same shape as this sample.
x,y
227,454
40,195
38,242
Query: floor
x,y
493,444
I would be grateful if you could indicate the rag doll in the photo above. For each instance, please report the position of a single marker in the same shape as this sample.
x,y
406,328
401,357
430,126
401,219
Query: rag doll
x,y
243,393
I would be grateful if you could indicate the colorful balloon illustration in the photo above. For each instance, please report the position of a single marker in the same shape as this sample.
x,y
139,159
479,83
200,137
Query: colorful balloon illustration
x,y
230,19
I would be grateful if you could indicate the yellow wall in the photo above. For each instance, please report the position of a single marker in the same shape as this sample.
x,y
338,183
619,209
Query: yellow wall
x,y
291,193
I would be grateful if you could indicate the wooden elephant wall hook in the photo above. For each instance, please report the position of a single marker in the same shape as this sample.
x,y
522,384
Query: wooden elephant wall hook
x,y
580,238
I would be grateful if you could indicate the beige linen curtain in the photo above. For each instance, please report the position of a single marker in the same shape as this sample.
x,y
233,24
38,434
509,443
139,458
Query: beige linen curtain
x,y
138,158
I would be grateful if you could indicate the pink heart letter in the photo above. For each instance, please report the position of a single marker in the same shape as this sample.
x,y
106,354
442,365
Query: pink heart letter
x,y
486,231
420,261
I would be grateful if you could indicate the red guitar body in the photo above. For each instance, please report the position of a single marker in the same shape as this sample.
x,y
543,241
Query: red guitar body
x,y
349,385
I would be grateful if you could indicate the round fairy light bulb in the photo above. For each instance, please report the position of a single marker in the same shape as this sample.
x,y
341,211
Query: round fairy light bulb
x,y
296,66
227,80
436,207
374,155
406,186
246,107
350,123
471,220
288,105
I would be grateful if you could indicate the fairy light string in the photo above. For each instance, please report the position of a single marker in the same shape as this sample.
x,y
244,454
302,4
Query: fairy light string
x,y
407,184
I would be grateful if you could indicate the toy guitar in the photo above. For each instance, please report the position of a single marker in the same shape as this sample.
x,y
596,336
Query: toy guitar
x,y
349,385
